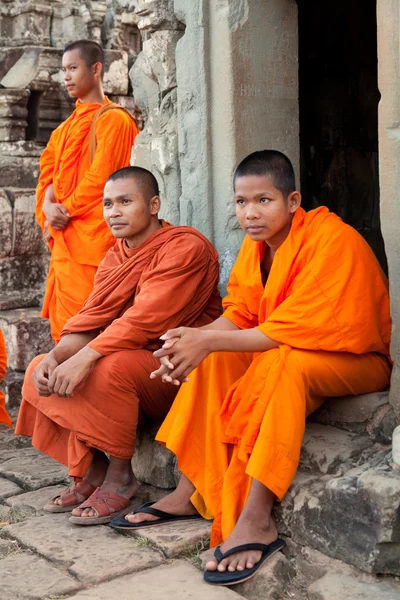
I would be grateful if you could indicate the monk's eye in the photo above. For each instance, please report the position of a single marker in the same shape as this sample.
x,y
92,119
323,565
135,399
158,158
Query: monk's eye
x,y
264,200
126,201
106,204
240,201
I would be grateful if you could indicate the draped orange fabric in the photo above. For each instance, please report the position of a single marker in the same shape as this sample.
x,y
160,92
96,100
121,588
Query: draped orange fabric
x,y
168,281
326,303
77,250
4,416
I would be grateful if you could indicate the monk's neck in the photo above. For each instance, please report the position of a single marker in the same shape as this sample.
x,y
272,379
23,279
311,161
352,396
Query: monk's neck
x,y
141,238
278,239
94,96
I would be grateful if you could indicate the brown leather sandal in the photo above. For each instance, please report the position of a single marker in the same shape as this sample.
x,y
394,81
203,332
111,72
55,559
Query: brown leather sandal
x,y
71,497
107,505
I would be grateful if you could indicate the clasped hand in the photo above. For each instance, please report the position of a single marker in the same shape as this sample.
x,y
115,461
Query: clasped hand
x,y
183,350
51,378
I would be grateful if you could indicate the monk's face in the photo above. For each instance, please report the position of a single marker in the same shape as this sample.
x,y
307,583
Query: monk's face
x,y
128,213
262,210
79,79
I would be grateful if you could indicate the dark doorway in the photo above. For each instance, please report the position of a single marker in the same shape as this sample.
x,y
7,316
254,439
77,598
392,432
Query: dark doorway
x,y
338,97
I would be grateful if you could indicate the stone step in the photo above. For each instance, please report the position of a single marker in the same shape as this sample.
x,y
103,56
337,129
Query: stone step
x,y
369,414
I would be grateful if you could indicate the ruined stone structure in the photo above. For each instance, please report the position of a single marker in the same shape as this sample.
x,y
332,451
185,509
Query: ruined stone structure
x,y
215,81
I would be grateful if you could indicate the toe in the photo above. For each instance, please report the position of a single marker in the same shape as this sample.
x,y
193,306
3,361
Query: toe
x,y
233,564
223,565
77,512
241,564
212,565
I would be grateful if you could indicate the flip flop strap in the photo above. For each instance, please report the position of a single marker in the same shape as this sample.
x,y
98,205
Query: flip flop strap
x,y
149,510
242,548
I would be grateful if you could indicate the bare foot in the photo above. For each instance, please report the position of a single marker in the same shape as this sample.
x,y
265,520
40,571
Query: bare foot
x,y
176,503
119,480
95,476
247,530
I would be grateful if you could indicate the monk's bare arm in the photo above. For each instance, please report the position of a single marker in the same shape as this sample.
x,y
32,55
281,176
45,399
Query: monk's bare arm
x,y
247,340
220,324
71,344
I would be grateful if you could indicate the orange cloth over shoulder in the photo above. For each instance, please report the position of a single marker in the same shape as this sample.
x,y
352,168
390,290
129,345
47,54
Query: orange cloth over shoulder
x,y
131,303
77,250
326,302
4,416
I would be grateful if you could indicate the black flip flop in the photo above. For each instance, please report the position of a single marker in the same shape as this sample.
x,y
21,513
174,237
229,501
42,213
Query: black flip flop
x,y
228,578
164,518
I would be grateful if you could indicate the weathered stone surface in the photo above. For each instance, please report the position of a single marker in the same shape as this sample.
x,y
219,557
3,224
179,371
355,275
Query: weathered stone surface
x,y
156,15
6,514
365,414
396,446
354,518
8,547
152,463
5,224
119,29
28,299
91,554
26,334
27,576
31,469
179,580
13,114
19,164
20,272
331,450
8,488
270,581
340,587
27,236
25,22
32,503
67,24
13,383
178,538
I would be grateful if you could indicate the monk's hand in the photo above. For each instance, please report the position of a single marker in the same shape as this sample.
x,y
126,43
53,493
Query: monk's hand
x,y
67,376
46,233
56,215
42,374
189,348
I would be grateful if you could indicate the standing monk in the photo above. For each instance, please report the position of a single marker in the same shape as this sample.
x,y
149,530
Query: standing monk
x,y
306,317
84,399
71,183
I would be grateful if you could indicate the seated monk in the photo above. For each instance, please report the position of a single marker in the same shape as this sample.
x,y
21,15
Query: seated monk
x,y
4,416
306,317
85,398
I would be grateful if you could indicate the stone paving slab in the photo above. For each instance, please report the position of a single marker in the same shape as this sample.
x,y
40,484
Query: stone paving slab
x,y
32,503
92,554
178,538
31,469
343,587
8,547
27,576
178,581
8,488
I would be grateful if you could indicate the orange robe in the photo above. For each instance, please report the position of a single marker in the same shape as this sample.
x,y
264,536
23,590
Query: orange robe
x,y
326,303
77,250
4,416
168,281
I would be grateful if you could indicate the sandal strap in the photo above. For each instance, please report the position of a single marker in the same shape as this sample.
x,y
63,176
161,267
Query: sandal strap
x,y
242,548
72,495
149,510
105,503
218,554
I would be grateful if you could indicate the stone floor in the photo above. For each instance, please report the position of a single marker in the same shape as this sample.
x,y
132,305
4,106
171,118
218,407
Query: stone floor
x,y
44,557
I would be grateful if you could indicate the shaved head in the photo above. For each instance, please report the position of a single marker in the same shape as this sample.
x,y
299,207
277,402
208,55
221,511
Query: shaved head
x,y
144,179
91,52
269,163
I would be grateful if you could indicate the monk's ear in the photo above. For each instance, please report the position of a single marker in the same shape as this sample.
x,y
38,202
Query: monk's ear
x,y
294,201
155,205
97,70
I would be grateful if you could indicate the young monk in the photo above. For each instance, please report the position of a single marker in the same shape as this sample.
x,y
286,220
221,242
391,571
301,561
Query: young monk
x,y
71,184
306,317
86,397
4,416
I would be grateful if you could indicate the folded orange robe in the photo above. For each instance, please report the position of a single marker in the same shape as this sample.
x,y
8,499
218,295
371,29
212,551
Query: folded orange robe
x,y
168,281
326,303
4,416
77,250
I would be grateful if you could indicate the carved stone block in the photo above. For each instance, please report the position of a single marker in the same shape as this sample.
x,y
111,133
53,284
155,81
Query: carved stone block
x,y
13,114
27,236
25,22
67,23
19,164
26,335
5,224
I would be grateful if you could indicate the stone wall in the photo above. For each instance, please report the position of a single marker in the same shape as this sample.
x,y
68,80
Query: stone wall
x,y
33,103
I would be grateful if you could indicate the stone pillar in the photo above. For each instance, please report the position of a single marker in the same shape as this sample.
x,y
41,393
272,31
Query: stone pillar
x,y
25,22
13,114
244,97
153,78
93,13
388,19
